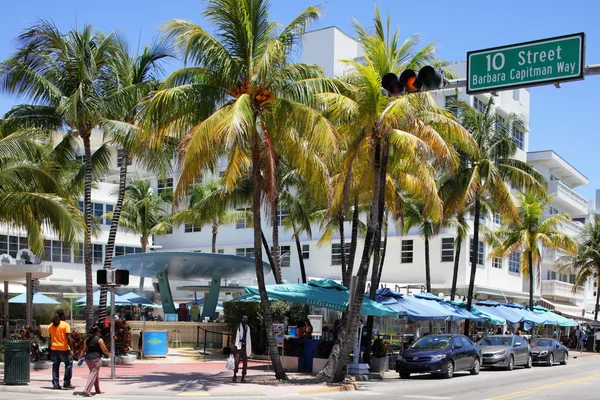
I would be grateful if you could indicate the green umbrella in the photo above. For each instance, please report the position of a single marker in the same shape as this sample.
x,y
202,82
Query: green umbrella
x,y
322,293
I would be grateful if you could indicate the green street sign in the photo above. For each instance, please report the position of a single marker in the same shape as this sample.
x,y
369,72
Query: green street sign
x,y
540,62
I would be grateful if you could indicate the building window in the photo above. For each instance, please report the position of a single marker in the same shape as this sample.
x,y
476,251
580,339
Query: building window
x,y
482,217
406,256
97,253
109,208
551,275
572,278
306,251
449,103
245,252
497,263
281,214
12,244
241,223
165,185
517,136
553,178
189,228
517,94
336,252
220,251
499,122
78,253
81,158
497,220
514,262
553,211
98,210
478,104
81,206
284,256
221,173
480,252
120,153
447,249
195,182
122,250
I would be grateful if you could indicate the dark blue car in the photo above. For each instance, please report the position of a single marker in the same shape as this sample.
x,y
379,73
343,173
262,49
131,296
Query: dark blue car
x,y
441,355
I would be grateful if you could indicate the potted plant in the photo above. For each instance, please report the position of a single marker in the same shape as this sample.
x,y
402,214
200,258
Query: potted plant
x,y
379,361
123,354
39,348
323,351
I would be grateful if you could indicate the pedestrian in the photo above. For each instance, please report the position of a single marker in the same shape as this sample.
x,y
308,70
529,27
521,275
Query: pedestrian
x,y
584,338
499,331
518,332
61,347
597,337
93,348
242,348
307,330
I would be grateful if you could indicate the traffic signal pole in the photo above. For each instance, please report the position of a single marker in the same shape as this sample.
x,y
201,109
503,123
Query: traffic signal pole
x,y
112,332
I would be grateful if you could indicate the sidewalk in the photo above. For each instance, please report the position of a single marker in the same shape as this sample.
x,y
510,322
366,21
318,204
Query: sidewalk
x,y
171,377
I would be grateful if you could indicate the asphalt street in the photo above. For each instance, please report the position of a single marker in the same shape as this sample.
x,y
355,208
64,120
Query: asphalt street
x,y
579,380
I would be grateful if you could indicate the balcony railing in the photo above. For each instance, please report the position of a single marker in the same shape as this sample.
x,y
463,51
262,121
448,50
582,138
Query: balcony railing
x,y
564,191
572,228
561,289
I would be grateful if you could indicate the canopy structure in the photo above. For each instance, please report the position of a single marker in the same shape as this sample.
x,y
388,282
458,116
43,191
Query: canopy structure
x,y
322,293
552,318
96,300
496,309
453,313
411,308
38,298
529,316
493,319
134,298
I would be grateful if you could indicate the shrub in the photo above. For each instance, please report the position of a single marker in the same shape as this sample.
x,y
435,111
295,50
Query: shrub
x,y
122,335
39,349
380,347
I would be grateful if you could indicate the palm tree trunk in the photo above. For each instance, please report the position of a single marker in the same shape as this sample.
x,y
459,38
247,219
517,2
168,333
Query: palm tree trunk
x,y
215,231
353,244
597,302
427,266
266,246
335,368
260,275
474,253
144,243
112,234
383,250
276,266
87,239
342,243
531,278
456,264
299,250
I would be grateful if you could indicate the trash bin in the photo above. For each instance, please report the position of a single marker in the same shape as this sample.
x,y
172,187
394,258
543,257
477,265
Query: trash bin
x,y
16,362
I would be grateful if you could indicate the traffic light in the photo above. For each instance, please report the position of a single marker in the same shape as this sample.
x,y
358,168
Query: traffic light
x,y
102,277
122,277
112,277
409,81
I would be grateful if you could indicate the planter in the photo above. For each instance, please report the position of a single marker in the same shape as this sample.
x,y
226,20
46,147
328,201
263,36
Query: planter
x,y
125,359
290,363
38,365
379,364
105,362
318,365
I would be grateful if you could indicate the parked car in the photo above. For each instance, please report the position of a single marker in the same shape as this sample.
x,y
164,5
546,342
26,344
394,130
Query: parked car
x,y
505,351
441,355
549,351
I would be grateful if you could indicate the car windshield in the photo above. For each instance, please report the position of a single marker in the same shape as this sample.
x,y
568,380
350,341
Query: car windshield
x,y
542,343
496,341
432,342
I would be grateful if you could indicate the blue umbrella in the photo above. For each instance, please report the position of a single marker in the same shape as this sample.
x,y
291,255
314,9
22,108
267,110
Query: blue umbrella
x,y
412,308
322,293
496,309
134,298
462,307
454,313
96,300
38,298
529,316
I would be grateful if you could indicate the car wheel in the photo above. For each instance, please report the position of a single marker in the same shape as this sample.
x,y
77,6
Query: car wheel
x,y
404,375
476,367
529,362
551,359
511,363
566,360
449,370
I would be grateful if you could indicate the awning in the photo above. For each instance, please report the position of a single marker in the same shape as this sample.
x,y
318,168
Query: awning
x,y
455,313
565,308
530,316
493,319
410,307
554,319
323,293
496,309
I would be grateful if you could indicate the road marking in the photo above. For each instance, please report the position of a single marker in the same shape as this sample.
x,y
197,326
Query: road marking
x,y
418,396
539,388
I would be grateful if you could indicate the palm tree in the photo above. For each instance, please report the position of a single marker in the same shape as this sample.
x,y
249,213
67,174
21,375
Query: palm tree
x,y
586,262
144,213
240,98
136,78
31,194
416,215
529,234
64,75
206,205
485,175
390,136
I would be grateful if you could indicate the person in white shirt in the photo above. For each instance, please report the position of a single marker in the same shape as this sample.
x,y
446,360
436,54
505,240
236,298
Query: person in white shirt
x,y
597,336
243,348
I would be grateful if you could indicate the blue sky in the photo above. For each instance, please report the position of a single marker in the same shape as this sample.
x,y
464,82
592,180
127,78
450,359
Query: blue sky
x,y
564,120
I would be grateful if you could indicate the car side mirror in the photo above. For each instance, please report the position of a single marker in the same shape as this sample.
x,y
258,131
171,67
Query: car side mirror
x,y
557,346
458,346
518,344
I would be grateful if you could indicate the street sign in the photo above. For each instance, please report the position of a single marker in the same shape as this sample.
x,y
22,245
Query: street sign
x,y
540,62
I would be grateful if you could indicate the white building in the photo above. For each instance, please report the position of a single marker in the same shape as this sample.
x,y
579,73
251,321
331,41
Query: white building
x,y
404,262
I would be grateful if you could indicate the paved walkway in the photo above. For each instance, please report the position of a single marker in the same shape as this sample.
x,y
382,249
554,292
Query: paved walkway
x,y
176,376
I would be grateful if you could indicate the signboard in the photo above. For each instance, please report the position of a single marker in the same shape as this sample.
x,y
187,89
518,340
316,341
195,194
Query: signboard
x,y
279,331
557,59
155,344
171,317
317,324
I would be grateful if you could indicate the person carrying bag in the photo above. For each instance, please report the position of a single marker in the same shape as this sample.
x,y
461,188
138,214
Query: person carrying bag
x,y
93,348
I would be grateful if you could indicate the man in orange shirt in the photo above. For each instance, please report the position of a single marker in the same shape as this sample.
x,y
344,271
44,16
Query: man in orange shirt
x,y
61,346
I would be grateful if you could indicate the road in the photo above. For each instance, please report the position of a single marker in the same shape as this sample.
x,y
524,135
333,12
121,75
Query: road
x,y
579,380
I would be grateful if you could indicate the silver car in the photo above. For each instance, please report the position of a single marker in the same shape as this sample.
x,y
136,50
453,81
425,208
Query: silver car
x,y
505,351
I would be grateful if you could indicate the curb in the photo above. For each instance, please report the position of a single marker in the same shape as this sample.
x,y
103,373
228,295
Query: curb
x,y
339,388
23,389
